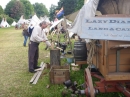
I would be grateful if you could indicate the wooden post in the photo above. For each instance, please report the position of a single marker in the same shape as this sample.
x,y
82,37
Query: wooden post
x,y
67,33
54,57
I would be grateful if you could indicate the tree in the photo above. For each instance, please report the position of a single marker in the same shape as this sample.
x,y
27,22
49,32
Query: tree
x,y
1,10
68,5
52,12
79,4
40,9
14,9
28,7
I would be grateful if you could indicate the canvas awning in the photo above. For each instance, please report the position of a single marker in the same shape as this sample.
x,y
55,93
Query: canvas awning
x,y
72,16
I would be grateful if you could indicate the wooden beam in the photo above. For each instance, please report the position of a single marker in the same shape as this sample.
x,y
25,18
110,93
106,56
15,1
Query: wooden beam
x,y
59,48
38,75
81,62
35,74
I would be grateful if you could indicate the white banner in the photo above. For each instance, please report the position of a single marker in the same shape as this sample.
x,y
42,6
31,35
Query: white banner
x,y
106,28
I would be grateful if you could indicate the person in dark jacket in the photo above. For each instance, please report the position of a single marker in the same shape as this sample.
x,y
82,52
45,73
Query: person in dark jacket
x,y
30,29
25,34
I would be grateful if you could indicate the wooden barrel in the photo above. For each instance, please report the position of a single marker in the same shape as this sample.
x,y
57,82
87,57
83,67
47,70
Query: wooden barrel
x,y
80,51
114,6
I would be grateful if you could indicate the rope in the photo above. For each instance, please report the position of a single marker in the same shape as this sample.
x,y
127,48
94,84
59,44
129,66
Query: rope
x,y
91,52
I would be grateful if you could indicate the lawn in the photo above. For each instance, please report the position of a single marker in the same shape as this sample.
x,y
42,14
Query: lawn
x,y
14,75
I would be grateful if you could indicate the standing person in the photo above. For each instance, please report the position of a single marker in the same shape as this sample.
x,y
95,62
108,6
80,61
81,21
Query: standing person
x,y
30,29
25,34
38,35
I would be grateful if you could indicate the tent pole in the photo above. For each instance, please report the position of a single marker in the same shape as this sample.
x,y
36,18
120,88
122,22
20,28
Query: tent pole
x,y
67,33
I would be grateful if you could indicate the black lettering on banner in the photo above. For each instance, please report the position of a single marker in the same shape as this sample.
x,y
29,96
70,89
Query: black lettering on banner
x,y
99,21
105,28
128,22
114,35
105,21
117,21
95,29
111,29
123,29
127,29
112,21
88,21
94,21
100,28
118,29
90,28
123,22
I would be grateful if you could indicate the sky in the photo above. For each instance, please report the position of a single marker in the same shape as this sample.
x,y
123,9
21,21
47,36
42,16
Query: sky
x,y
47,3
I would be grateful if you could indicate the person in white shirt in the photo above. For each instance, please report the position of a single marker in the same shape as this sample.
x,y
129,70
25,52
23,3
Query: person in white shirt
x,y
38,35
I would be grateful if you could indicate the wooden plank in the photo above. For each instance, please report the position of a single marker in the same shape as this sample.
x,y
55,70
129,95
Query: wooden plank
x,y
118,76
122,51
124,59
113,43
55,57
39,73
34,76
80,62
120,46
122,68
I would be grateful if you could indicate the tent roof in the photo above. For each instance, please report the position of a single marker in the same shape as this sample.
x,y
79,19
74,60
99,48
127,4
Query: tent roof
x,y
21,20
14,23
4,23
35,20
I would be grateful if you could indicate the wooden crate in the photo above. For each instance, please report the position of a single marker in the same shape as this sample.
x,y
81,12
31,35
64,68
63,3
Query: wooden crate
x,y
105,60
59,74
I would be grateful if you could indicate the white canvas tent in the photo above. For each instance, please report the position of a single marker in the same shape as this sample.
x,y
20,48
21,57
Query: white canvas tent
x,y
21,20
4,23
41,19
45,18
14,23
35,20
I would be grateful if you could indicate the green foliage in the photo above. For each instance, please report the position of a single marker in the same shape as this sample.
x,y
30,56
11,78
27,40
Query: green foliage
x,y
9,19
0,18
28,7
1,10
40,9
52,12
14,9
68,5
79,5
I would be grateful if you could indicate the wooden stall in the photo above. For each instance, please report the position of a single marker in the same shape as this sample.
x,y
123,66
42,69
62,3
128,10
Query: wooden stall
x,y
112,60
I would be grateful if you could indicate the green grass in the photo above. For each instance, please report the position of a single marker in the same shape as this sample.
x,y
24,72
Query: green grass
x,y
14,75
